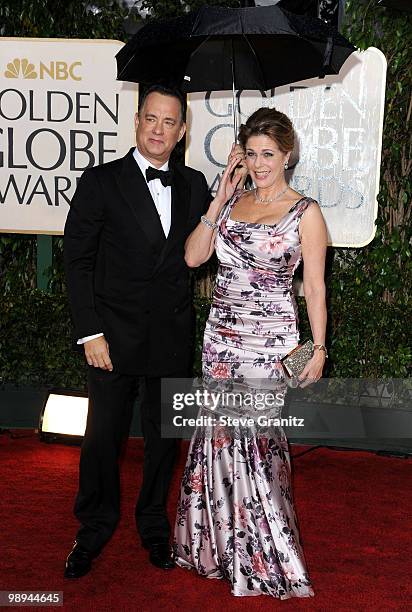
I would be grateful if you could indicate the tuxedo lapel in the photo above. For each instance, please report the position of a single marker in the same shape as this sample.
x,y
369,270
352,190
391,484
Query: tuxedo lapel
x,y
179,210
135,191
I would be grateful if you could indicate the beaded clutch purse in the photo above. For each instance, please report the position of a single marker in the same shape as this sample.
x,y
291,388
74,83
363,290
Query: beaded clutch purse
x,y
295,361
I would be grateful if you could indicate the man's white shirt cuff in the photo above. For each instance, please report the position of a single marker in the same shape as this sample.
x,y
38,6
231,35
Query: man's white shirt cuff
x,y
87,338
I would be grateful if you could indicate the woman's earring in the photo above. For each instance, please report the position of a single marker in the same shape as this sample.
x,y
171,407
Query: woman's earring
x,y
286,165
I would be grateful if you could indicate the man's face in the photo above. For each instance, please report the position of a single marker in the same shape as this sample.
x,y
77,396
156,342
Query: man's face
x,y
159,127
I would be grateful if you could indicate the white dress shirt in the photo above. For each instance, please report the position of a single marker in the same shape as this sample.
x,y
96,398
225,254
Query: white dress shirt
x,y
162,198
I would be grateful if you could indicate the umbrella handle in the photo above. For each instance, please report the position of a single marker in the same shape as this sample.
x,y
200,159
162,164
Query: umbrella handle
x,y
232,62
234,112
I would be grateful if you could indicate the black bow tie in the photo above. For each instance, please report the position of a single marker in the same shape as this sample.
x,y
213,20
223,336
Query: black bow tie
x,y
165,176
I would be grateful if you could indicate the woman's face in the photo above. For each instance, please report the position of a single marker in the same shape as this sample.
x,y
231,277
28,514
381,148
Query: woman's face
x,y
265,161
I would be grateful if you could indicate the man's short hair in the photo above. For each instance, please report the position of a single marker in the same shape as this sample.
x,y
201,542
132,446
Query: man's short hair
x,y
165,91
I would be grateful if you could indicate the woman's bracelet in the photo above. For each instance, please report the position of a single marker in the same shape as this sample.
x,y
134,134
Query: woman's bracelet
x,y
210,224
321,347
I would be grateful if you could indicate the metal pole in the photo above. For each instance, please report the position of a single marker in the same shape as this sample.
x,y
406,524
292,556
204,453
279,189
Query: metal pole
x,y
232,62
44,261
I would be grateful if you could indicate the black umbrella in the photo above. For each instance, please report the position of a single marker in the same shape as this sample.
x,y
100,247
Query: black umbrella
x,y
217,48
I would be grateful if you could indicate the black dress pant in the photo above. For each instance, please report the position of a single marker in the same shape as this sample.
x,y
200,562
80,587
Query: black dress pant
x,y
97,505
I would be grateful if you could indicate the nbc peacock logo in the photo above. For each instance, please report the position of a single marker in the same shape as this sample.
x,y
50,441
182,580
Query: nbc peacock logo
x,y
20,67
58,70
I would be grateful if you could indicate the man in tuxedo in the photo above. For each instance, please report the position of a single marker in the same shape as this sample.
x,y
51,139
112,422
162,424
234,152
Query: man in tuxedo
x,y
129,293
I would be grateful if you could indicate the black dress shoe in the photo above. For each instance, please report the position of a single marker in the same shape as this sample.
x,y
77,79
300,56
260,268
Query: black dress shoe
x,y
79,562
160,555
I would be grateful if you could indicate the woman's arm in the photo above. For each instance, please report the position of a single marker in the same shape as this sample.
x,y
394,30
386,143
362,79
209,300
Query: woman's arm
x,y
314,241
200,244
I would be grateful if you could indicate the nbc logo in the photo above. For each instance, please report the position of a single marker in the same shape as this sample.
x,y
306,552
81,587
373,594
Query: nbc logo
x,y
24,66
56,70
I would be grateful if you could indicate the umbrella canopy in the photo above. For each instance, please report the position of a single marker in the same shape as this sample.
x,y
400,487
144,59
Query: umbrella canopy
x,y
217,48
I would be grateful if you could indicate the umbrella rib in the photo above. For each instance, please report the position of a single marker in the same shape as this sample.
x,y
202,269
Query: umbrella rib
x,y
257,60
124,67
195,51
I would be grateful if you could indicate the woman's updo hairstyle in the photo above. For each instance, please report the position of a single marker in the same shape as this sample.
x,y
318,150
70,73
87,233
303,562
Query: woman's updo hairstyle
x,y
269,122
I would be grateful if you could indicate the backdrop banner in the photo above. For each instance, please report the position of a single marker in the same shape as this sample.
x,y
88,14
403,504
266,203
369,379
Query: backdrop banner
x,y
61,111
338,122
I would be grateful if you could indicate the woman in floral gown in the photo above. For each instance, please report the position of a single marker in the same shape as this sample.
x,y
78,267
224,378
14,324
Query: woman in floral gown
x,y
236,517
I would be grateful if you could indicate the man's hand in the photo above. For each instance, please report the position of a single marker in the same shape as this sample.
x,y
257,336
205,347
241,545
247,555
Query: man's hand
x,y
97,353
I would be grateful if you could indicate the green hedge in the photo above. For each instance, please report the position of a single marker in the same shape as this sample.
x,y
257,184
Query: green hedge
x,y
369,289
36,347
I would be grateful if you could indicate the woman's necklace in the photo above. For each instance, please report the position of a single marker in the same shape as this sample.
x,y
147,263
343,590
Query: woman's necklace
x,y
269,200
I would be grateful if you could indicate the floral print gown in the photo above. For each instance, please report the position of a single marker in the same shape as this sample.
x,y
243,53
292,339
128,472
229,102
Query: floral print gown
x,y
235,516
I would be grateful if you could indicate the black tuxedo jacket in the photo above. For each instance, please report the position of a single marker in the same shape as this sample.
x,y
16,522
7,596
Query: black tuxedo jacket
x,y
124,277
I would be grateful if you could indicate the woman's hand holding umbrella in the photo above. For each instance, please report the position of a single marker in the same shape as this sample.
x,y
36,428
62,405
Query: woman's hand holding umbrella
x,y
201,242
233,177
241,170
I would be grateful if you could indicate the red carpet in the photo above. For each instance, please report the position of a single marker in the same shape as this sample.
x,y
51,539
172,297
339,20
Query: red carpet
x,y
353,508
